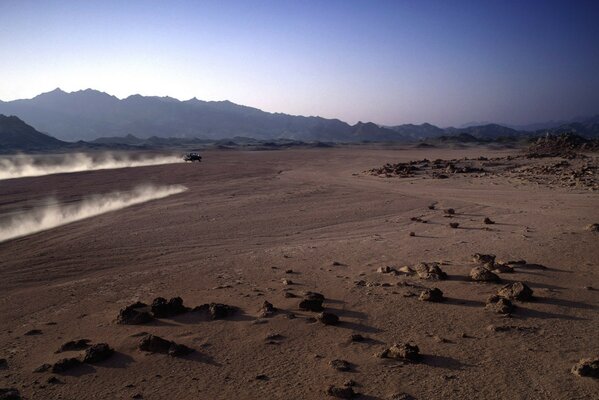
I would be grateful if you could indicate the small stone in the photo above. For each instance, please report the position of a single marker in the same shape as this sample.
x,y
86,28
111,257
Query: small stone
x,y
488,221
340,365
385,270
593,227
587,367
481,274
454,225
412,234
53,380
267,309
487,260
287,281
3,363
312,302
65,364
289,295
449,211
499,305
261,377
328,318
33,332
432,295
346,392
402,351
516,291
356,337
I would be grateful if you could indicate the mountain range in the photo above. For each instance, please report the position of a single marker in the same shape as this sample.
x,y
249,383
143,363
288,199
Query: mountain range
x,y
91,114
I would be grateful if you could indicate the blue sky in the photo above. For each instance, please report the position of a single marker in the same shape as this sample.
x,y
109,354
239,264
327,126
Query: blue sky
x,y
391,62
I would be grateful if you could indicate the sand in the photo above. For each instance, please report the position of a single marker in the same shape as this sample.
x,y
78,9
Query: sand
x,y
250,216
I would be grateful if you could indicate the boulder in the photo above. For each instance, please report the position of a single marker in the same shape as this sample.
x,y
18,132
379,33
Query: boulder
x,y
587,367
161,308
97,353
430,271
216,310
499,305
487,260
134,314
433,295
156,344
402,351
312,301
481,274
516,291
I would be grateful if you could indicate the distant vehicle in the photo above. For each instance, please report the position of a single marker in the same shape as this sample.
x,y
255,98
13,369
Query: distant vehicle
x,y
192,157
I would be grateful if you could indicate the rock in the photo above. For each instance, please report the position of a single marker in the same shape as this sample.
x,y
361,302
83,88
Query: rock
x,y
430,271
65,364
481,274
164,309
449,211
267,309
33,332
587,367
431,207
328,318
53,380
3,363
312,302
433,295
345,392
216,310
97,353
487,260
403,351
454,225
74,345
340,365
593,227
289,271
499,305
261,377
9,394
488,221
134,314
43,368
406,270
500,268
287,281
385,270
516,291
156,344
289,295
356,337
401,396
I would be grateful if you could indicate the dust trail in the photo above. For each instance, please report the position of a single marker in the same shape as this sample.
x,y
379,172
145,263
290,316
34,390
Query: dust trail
x,y
23,166
48,217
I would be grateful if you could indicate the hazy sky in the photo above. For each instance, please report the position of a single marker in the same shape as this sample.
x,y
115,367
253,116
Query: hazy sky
x,y
445,62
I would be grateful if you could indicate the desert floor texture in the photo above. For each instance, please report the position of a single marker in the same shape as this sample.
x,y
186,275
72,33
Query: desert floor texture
x,y
262,226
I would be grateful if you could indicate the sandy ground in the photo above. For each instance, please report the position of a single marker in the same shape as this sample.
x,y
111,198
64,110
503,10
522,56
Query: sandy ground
x,y
247,218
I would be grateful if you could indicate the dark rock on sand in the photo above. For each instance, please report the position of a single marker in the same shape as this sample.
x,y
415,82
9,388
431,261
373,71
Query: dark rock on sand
x,y
216,310
488,221
403,351
65,364
33,332
449,211
433,295
487,260
499,305
481,274
97,353
328,318
587,367
356,337
454,225
340,365
156,344
267,309
430,271
593,227
312,301
134,314
9,394
161,308
516,291
343,392
74,345
3,363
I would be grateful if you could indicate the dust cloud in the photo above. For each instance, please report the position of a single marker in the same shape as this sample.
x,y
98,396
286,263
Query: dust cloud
x,y
53,215
22,166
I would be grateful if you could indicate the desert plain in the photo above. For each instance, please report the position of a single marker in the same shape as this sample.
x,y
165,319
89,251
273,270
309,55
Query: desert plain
x,y
258,226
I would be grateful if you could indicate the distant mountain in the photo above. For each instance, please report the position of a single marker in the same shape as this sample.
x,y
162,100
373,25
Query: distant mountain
x,y
418,132
588,127
16,135
90,114
489,131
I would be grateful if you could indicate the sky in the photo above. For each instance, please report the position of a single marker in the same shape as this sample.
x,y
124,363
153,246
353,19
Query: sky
x,y
445,62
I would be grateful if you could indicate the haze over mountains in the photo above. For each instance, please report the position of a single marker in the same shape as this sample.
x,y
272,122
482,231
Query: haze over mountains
x,y
90,114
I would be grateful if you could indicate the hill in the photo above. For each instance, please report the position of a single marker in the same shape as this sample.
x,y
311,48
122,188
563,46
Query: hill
x,y
16,135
